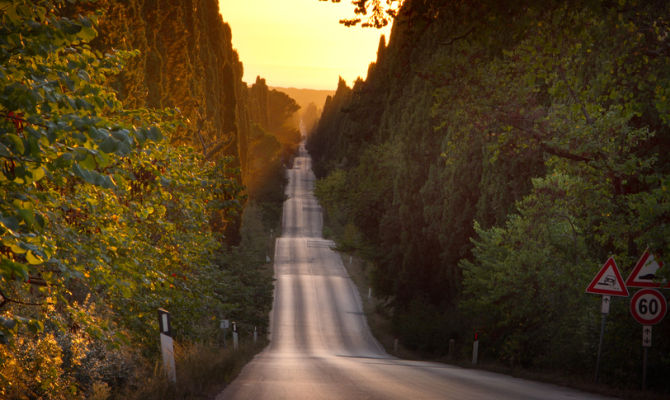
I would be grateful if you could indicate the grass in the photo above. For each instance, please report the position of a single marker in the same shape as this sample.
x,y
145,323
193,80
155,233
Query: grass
x,y
375,309
203,371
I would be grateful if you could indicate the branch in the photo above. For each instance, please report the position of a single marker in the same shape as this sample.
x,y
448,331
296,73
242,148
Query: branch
x,y
517,122
37,281
551,149
6,300
588,118
563,153
463,36
219,146
18,118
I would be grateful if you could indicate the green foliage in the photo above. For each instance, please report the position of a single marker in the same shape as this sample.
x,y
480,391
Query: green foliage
x,y
423,327
186,61
102,220
494,167
524,277
598,133
273,140
332,193
61,127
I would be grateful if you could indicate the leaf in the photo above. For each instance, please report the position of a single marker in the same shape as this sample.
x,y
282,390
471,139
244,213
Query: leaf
x,y
122,135
33,259
11,269
124,148
16,249
39,220
104,181
154,134
16,143
63,161
89,162
4,151
35,326
84,174
28,216
87,33
83,75
20,172
10,11
10,224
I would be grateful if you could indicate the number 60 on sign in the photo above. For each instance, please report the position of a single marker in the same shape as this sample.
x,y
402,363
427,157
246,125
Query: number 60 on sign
x,y
648,306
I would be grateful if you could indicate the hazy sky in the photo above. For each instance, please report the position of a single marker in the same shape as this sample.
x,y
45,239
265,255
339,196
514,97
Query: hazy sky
x,y
299,43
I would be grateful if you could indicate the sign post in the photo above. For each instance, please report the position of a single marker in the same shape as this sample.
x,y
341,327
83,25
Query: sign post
x,y
646,335
608,283
475,349
646,344
167,345
648,307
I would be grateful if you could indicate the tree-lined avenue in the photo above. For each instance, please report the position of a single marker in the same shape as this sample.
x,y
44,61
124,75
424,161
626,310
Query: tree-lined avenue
x,y
320,344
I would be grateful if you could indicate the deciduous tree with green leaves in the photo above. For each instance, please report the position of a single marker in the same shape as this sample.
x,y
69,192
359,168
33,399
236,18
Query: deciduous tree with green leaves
x,y
101,220
533,144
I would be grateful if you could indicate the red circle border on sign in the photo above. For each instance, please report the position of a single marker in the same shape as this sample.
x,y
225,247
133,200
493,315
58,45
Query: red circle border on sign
x,y
659,317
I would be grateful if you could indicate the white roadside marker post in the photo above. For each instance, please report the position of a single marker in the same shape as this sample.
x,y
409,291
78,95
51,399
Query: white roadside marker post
x,y
235,342
167,345
224,325
475,349
255,335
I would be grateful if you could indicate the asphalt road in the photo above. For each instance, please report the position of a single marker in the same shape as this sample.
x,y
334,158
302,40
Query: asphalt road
x,y
320,344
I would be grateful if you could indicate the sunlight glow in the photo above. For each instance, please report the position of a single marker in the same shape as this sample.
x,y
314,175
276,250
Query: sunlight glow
x,y
299,43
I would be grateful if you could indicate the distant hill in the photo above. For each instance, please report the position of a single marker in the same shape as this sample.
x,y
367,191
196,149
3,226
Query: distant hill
x,y
305,96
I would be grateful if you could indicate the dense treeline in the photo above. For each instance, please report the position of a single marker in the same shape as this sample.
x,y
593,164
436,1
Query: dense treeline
x,y
125,141
496,155
186,61
273,140
310,101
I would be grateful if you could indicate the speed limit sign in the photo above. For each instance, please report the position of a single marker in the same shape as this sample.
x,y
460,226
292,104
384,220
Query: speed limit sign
x,y
648,306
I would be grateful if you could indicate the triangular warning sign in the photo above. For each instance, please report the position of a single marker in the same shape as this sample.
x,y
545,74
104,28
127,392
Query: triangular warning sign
x,y
644,273
608,281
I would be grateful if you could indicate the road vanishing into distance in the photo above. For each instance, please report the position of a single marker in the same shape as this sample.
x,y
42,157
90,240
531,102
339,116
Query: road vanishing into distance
x,y
320,345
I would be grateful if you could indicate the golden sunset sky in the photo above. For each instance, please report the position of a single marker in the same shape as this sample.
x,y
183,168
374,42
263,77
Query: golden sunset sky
x,y
299,43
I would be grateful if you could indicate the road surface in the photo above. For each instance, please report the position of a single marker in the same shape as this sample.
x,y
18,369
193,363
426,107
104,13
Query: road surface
x,y
320,344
